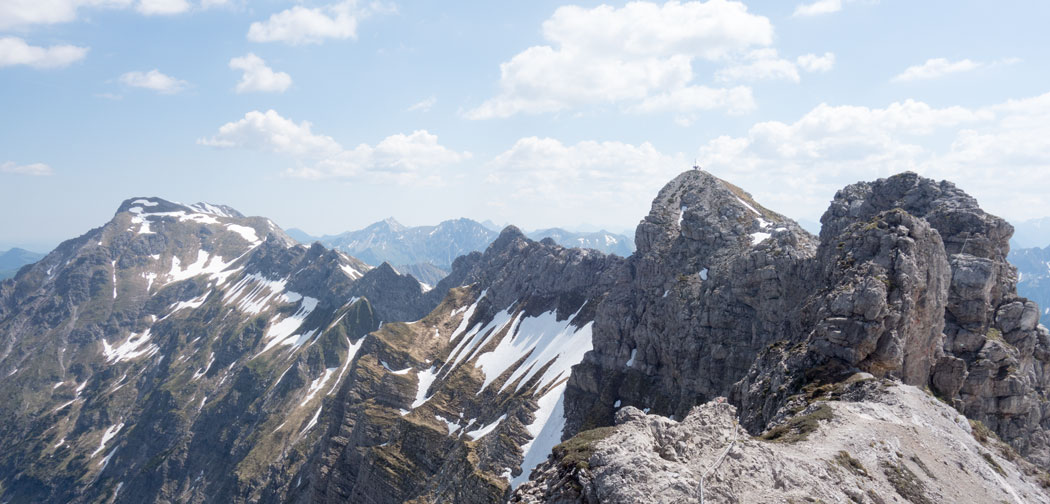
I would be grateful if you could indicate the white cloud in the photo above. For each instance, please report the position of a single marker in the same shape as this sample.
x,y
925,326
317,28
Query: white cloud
x,y
162,7
15,51
624,56
268,131
302,25
934,68
814,63
155,81
761,64
795,167
424,105
400,157
17,13
581,179
34,169
819,7
259,77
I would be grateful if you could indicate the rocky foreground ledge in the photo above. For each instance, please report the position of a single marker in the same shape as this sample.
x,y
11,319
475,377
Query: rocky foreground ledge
x,y
881,442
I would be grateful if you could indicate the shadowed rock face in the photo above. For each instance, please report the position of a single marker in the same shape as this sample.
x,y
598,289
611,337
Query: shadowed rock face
x,y
908,280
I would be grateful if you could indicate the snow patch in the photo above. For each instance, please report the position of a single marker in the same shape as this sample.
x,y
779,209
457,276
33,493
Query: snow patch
x,y
545,340
425,380
135,346
350,271
246,232
485,429
317,385
546,431
398,372
106,436
282,332
634,354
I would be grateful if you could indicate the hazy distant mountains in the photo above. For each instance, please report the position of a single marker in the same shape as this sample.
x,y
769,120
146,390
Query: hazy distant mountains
x,y
427,252
15,258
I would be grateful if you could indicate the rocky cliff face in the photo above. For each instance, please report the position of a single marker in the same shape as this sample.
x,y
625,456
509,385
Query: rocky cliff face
x,y
887,443
715,279
458,405
188,353
178,353
908,280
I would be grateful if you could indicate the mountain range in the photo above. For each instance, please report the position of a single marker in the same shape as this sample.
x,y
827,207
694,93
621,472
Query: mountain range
x,y
427,252
188,353
13,259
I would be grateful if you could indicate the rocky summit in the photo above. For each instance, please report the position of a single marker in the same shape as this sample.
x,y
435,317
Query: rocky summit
x,y
186,353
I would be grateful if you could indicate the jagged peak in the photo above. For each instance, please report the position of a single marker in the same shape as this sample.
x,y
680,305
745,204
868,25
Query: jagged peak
x,y
509,235
701,207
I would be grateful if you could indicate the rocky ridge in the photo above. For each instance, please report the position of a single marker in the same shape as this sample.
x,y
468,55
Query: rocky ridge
x,y
177,353
888,443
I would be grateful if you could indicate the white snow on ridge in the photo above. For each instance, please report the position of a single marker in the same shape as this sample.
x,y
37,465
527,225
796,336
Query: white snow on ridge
x,y
544,339
634,354
426,379
397,372
546,431
351,352
757,238
253,293
246,232
281,332
205,264
478,336
317,385
193,303
452,426
202,372
485,429
133,347
350,271
144,202
209,209
749,207
106,436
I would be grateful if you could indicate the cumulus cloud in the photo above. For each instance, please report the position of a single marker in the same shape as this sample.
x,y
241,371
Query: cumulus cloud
x,y
796,167
34,169
761,64
15,13
302,25
154,80
23,13
766,64
934,68
15,51
400,157
581,179
625,56
162,7
814,63
259,77
819,7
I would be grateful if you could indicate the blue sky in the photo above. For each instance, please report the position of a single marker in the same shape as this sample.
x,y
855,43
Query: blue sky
x,y
329,115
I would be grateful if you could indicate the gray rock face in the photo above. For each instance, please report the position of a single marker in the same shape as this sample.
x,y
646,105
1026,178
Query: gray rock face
x,y
888,443
909,280
716,278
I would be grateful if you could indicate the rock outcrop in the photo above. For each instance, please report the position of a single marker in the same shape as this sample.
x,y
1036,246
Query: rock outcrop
x,y
908,280
886,443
